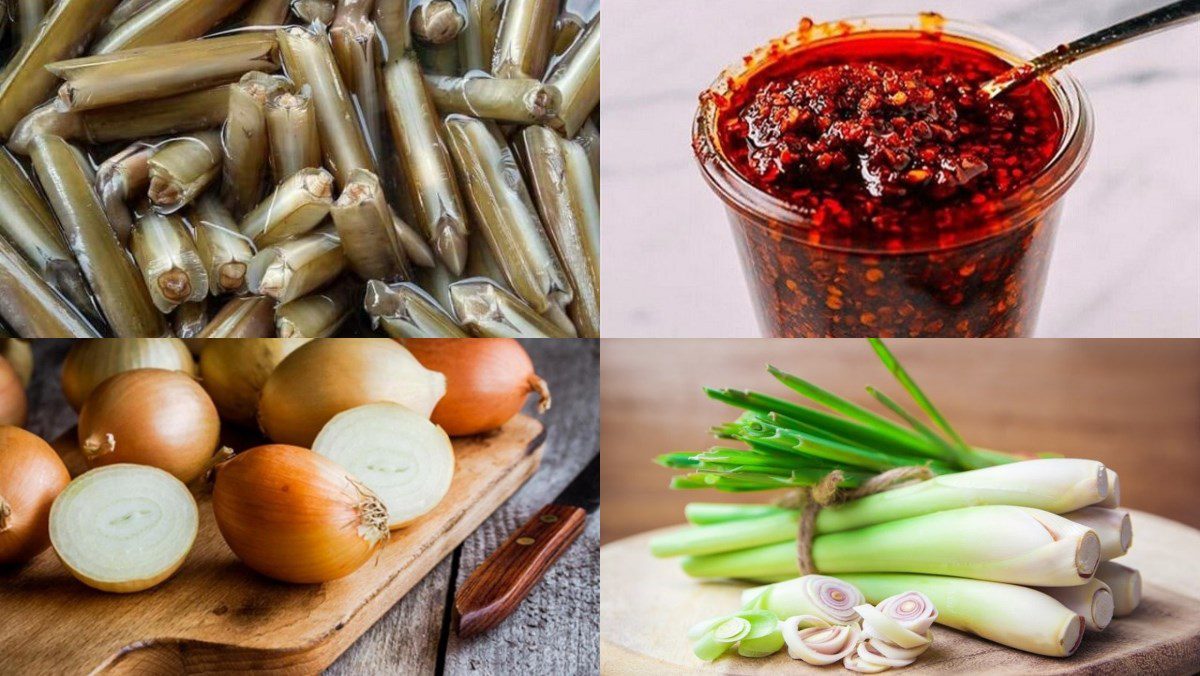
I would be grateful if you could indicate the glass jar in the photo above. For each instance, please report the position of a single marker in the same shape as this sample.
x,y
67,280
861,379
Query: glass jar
x,y
985,281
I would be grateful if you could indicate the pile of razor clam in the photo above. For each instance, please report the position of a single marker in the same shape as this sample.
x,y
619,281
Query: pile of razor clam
x,y
255,168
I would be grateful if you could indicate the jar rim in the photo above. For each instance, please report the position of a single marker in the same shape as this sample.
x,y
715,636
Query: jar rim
x,y
1013,210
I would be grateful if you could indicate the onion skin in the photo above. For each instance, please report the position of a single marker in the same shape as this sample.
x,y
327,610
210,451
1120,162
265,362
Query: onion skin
x,y
91,362
68,450
327,376
20,356
13,405
487,381
150,417
31,476
295,516
233,372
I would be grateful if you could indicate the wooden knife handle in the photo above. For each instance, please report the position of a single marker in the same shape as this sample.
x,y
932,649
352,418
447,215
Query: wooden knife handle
x,y
501,582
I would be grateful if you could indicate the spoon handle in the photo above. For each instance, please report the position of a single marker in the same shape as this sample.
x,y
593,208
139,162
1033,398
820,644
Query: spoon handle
x,y
1169,16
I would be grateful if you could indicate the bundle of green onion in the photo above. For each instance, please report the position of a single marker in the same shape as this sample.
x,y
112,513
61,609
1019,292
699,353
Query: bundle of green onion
x,y
1014,551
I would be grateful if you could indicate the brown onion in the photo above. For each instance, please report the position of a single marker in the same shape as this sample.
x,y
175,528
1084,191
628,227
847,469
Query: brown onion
x,y
487,381
20,355
31,476
327,376
295,516
150,417
91,362
12,396
233,372
68,450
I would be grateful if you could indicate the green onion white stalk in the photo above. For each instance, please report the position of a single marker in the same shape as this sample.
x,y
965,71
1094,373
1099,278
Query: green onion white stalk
x,y
1125,583
167,257
1113,499
999,543
1053,484
1012,615
1113,527
1093,601
405,310
828,598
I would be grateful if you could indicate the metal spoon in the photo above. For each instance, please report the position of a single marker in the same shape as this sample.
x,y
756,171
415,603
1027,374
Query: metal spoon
x,y
1174,14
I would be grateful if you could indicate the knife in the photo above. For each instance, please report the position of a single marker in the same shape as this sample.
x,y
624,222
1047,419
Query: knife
x,y
502,581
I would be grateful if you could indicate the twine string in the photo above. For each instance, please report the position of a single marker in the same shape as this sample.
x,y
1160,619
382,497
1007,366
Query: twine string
x,y
811,500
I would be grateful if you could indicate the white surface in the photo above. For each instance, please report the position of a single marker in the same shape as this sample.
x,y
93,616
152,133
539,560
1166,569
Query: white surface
x,y
1127,256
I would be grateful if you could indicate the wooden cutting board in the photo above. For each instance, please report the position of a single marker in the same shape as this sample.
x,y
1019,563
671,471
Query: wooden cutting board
x,y
648,605
217,616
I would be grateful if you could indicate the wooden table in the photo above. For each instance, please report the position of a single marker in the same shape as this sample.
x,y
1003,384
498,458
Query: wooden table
x,y
556,629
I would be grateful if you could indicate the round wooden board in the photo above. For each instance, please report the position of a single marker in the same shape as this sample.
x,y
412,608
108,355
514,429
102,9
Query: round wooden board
x,y
648,604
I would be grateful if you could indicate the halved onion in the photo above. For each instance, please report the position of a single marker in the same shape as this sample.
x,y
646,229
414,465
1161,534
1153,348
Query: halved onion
x,y
31,476
124,528
295,516
327,376
91,362
233,372
152,417
401,456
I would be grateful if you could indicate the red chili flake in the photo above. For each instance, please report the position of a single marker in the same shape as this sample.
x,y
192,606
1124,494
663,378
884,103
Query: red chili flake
x,y
885,145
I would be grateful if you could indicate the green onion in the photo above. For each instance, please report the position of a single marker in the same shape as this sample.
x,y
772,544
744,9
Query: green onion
x,y
1012,615
997,542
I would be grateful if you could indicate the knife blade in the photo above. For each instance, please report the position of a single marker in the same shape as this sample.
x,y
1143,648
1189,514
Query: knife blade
x,y
494,590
